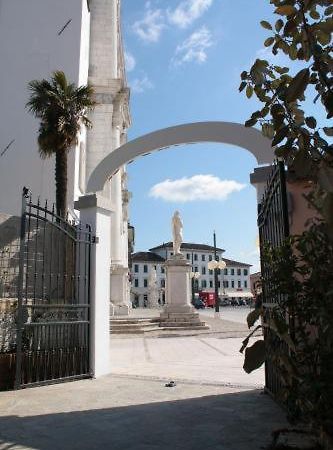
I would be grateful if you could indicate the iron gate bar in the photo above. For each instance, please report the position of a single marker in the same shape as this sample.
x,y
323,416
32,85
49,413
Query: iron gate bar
x,y
273,223
53,308
25,195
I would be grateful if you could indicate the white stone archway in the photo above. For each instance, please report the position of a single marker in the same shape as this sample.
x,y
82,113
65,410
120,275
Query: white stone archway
x,y
217,132
96,209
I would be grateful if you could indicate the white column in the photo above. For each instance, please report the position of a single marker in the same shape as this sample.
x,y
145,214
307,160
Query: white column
x,y
96,211
259,178
104,40
116,197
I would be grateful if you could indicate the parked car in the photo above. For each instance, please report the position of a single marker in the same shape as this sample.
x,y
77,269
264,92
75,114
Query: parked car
x,y
224,302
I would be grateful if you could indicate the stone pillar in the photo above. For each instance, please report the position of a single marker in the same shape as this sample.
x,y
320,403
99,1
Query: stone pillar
x,y
178,312
96,211
119,290
178,286
259,178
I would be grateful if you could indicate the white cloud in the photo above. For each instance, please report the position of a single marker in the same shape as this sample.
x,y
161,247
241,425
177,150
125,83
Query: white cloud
x,y
187,12
130,61
198,187
194,47
149,29
140,85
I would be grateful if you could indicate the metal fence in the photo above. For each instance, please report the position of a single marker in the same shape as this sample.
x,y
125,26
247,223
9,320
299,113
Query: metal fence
x,y
49,298
273,223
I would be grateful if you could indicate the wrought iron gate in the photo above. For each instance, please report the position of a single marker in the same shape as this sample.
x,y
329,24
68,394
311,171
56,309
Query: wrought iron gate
x,y
273,223
53,297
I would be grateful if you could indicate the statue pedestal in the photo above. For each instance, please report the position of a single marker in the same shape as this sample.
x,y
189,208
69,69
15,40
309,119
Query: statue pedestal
x,y
119,305
178,312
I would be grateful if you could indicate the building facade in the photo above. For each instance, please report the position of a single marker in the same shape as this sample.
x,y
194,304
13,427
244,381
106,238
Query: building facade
x,y
233,281
83,39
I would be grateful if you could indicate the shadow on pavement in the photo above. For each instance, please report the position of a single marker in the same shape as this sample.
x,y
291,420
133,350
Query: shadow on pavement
x,y
237,421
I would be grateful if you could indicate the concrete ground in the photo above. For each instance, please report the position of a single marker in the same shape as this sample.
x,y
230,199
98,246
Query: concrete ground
x,y
214,404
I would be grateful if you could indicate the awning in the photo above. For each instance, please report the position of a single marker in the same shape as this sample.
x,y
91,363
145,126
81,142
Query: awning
x,y
239,294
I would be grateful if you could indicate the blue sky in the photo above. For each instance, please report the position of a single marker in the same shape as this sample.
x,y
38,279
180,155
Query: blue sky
x,y
184,58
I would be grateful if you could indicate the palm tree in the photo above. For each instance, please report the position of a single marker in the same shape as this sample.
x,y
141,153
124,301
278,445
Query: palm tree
x,y
62,109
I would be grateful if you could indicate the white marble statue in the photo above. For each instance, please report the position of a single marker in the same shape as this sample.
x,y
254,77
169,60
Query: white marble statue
x,y
177,233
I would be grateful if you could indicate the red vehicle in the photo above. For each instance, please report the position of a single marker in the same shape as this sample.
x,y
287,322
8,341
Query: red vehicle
x,y
208,298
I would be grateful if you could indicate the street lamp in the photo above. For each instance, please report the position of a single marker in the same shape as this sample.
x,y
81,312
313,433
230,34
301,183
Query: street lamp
x,y
194,277
216,265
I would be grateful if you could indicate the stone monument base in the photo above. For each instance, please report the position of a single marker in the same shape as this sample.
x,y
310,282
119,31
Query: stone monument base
x,y
178,312
183,321
119,305
119,310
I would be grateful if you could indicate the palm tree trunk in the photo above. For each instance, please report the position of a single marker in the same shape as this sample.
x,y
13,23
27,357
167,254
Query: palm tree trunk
x,y
61,182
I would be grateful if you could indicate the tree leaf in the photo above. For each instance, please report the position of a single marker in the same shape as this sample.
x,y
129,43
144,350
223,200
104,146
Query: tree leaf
x,y
286,10
328,11
278,25
249,91
250,122
314,14
311,122
242,86
268,42
293,52
323,37
244,75
266,25
281,70
280,135
327,211
254,356
327,99
267,130
277,110
325,178
290,26
253,316
328,131
298,85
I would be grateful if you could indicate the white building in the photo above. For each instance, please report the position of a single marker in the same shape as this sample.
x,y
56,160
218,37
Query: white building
x,y
83,39
233,281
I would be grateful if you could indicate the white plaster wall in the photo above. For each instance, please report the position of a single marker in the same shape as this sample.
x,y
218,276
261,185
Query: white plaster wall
x,y
30,48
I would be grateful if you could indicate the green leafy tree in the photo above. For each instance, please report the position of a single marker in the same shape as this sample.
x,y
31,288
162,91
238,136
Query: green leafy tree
x,y
302,32
61,108
301,269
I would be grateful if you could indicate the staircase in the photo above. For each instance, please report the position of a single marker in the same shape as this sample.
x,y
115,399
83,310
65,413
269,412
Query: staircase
x,y
182,321
134,326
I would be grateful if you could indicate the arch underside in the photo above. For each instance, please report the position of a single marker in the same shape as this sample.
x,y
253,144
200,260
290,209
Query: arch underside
x,y
215,132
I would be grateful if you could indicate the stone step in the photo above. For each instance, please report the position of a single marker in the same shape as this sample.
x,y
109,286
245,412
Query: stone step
x,y
133,326
182,324
128,326
181,319
178,328
124,331
179,315
133,321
